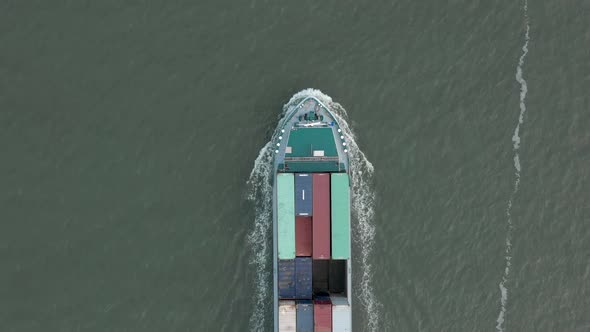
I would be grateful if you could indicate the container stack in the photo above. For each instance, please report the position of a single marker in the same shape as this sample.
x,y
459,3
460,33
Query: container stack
x,y
303,281
322,314
341,314
340,200
303,237
305,316
286,215
286,279
303,194
321,216
313,216
287,316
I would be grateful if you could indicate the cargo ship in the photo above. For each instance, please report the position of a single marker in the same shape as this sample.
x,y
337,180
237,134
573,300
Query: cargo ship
x,y
311,221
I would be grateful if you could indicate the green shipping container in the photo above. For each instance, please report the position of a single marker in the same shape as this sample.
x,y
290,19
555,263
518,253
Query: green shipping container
x,y
340,197
286,215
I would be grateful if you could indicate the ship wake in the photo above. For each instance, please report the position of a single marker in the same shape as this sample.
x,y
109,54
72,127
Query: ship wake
x,y
260,237
363,203
516,146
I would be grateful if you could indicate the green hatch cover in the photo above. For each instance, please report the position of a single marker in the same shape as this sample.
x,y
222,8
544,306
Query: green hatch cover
x,y
340,216
286,215
303,141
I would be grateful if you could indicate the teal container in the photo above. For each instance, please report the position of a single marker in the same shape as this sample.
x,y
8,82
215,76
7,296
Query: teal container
x,y
340,199
286,215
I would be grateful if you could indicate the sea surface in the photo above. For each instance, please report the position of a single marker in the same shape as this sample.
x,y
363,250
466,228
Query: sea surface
x,y
133,160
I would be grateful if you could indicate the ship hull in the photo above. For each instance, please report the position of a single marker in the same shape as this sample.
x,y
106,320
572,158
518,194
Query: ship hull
x,y
311,164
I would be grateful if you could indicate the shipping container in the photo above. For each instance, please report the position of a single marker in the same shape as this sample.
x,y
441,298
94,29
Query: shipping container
x,y
286,279
341,314
286,215
304,316
303,237
340,198
322,316
321,216
303,278
303,194
287,316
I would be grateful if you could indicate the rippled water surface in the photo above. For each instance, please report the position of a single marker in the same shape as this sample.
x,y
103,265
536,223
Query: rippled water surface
x,y
132,199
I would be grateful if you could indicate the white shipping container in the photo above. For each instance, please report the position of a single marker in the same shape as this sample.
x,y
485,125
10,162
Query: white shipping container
x,y
341,314
287,316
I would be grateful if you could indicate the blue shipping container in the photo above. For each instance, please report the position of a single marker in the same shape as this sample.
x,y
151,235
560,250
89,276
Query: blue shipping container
x,y
303,194
286,279
303,278
304,316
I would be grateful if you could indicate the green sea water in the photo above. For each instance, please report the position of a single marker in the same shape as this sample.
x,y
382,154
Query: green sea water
x,y
129,132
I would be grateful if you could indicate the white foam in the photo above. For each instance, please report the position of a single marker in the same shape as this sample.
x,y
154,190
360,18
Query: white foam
x,y
517,166
260,193
260,237
363,204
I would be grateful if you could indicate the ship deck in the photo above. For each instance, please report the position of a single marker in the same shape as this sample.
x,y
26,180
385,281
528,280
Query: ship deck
x,y
310,141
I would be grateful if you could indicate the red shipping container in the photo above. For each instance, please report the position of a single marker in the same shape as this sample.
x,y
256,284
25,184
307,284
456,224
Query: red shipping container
x,y
321,216
322,317
303,231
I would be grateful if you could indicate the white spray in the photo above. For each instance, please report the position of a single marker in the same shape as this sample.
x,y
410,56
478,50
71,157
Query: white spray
x,y
363,203
259,238
516,146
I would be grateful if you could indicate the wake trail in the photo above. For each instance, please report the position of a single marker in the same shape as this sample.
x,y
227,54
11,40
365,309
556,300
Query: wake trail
x,y
517,166
363,204
260,237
